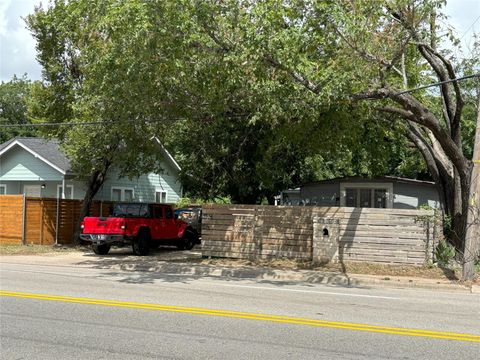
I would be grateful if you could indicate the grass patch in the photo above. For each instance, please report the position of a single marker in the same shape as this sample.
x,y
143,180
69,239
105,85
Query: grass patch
x,y
37,249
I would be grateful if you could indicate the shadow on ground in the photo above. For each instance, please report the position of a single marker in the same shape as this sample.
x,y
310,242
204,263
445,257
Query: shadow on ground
x,y
173,266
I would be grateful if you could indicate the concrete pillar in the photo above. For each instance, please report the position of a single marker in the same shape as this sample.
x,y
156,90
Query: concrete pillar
x,y
325,240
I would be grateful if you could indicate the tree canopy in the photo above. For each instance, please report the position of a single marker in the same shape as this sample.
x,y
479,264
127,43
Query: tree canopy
x,y
14,97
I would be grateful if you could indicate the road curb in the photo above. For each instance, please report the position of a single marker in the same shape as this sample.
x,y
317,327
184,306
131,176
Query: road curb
x,y
298,276
184,268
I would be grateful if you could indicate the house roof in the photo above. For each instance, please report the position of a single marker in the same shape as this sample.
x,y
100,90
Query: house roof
x,y
48,150
382,179
167,155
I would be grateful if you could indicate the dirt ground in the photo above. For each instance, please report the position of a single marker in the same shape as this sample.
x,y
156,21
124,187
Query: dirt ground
x,y
194,257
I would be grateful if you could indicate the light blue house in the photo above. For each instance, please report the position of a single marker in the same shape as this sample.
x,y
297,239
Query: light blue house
x,y
37,167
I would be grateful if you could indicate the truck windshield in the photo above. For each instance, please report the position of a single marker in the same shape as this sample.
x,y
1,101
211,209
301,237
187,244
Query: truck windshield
x,y
130,210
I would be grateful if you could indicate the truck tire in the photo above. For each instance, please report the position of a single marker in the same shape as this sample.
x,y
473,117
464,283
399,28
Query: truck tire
x,y
188,241
101,249
140,244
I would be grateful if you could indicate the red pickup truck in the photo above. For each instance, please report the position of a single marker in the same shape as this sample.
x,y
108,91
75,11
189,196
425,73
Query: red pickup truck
x,y
141,225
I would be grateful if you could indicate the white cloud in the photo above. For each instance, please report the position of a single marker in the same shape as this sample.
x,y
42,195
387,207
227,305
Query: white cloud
x,y
17,49
464,15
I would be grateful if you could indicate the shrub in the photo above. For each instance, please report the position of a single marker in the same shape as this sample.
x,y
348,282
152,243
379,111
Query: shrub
x,y
444,253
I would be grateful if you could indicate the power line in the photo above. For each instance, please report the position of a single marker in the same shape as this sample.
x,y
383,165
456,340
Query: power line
x,y
92,123
471,26
105,122
438,83
84,123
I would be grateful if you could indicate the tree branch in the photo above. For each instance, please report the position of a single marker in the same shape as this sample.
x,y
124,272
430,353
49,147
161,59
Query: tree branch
x,y
297,76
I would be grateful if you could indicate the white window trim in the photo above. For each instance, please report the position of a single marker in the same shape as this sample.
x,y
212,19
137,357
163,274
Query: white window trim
x,y
66,186
122,192
373,186
161,190
4,187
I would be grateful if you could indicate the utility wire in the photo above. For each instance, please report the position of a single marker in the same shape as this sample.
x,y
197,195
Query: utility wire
x,y
471,26
84,123
438,83
105,122
91,123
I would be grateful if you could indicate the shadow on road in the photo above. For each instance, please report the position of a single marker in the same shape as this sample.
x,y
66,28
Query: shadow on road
x,y
173,266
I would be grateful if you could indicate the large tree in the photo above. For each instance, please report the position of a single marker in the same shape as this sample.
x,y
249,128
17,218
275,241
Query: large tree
x,y
14,95
351,51
107,81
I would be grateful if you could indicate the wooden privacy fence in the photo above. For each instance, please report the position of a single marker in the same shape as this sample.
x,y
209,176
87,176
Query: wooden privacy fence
x,y
319,234
26,220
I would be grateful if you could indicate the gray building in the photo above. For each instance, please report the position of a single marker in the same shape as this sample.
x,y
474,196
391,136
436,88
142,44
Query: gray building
x,y
382,192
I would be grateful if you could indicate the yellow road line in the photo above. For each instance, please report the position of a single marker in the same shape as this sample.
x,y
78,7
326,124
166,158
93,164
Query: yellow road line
x,y
250,316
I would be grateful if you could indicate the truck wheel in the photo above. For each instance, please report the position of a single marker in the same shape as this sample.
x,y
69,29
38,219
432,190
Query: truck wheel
x,y
140,243
188,241
101,249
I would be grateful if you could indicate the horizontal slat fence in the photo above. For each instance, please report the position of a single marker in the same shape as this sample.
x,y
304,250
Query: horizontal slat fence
x,y
41,219
11,214
385,235
265,232
394,236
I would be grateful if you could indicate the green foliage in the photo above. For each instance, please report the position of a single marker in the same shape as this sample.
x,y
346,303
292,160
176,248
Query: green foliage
x,y
444,253
214,81
186,201
13,108
102,64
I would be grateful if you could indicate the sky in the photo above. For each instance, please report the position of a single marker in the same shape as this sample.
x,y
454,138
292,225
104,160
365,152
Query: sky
x,y
17,47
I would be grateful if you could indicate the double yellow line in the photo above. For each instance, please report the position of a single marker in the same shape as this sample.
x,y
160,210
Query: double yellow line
x,y
250,316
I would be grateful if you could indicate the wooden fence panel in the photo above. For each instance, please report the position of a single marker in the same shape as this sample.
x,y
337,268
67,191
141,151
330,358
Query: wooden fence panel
x,y
33,221
393,236
396,236
41,219
11,217
253,231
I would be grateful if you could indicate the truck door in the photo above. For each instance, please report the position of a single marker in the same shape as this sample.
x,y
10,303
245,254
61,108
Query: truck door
x,y
157,228
170,225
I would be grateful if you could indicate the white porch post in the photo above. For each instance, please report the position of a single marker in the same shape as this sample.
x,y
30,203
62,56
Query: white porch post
x,y
63,187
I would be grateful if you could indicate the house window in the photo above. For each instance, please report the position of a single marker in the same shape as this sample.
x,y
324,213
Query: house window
x,y
160,196
122,194
68,191
351,198
365,198
32,190
380,198
375,195
3,189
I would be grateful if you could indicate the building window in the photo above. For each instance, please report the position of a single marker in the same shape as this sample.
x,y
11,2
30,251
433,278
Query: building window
x,y
3,189
32,190
160,196
380,199
68,191
365,198
374,195
168,213
351,197
122,194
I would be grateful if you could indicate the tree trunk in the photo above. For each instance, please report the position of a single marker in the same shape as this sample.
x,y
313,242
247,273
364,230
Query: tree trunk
x,y
472,235
458,218
97,178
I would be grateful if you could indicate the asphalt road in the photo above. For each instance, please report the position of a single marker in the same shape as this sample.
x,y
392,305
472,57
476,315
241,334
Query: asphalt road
x,y
61,311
